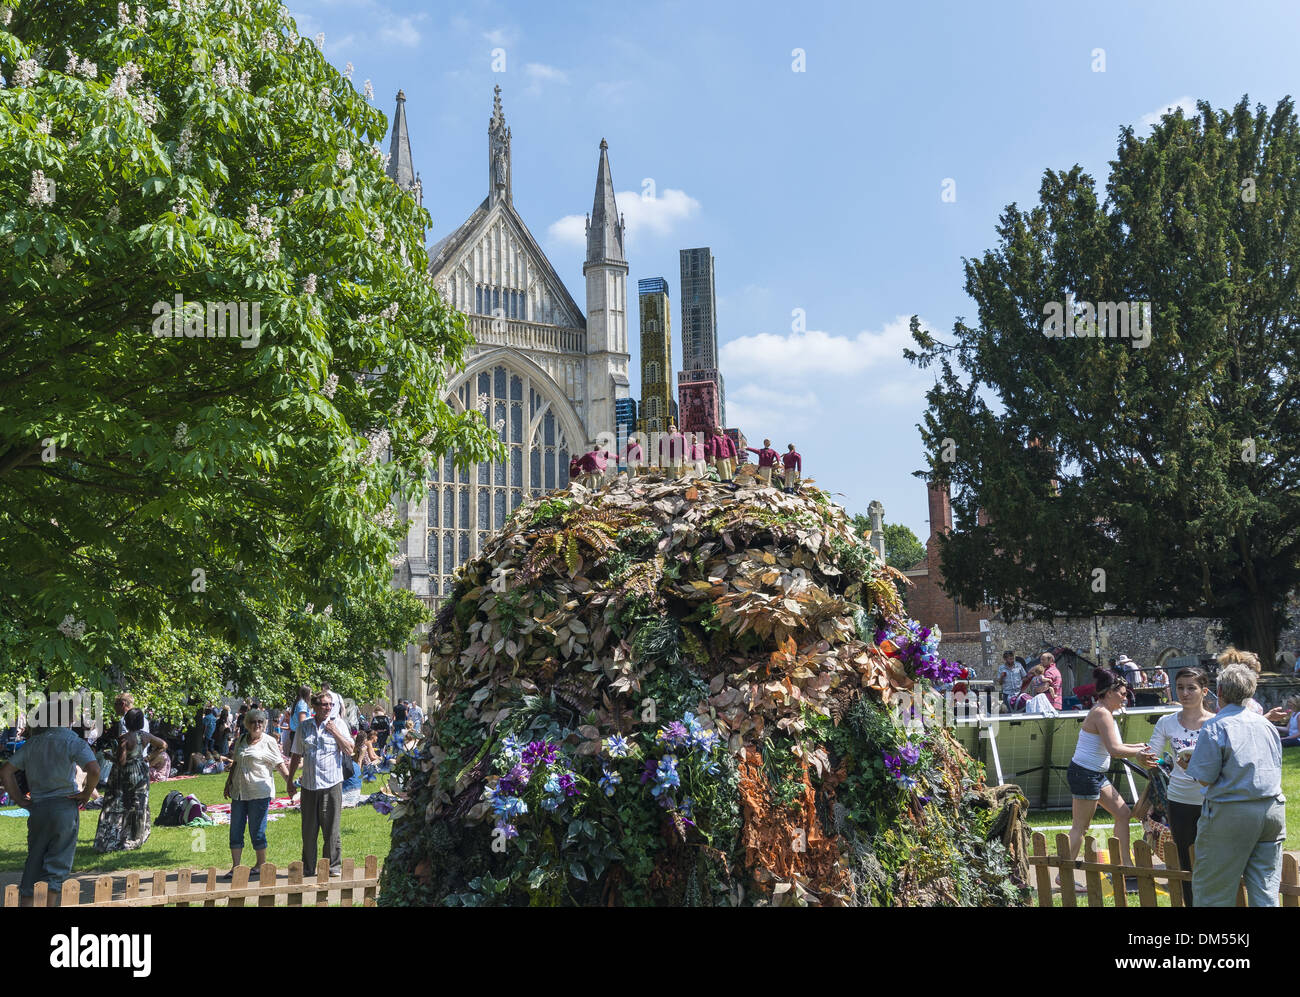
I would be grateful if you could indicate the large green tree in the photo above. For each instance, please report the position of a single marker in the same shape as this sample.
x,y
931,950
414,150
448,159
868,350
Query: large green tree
x,y
156,485
1157,481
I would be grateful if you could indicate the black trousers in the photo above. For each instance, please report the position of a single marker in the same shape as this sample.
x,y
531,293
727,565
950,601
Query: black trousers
x,y
1182,825
320,816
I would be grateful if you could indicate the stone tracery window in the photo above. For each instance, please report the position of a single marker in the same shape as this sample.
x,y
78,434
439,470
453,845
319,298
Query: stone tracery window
x,y
466,505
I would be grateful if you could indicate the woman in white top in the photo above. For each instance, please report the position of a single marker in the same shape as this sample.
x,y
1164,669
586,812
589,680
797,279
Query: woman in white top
x,y
1098,743
251,784
1175,735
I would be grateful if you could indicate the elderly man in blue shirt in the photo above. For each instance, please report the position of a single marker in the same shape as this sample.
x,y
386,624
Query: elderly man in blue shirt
x,y
1238,759
50,757
321,746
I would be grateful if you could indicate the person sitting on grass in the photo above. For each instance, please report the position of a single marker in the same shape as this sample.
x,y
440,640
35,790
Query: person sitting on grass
x,y
1099,742
368,757
208,764
160,765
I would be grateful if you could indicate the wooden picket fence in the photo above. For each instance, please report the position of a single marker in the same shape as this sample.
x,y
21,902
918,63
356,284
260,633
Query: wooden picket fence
x,y
1171,877
149,889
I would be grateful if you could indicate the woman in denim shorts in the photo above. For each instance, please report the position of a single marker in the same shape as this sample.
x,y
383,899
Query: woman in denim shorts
x,y
1099,742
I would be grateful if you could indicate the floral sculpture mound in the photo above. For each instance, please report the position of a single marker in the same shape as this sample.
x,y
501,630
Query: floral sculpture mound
x,y
673,693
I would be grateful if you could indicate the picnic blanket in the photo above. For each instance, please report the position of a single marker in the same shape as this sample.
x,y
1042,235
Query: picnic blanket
x,y
220,812
15,812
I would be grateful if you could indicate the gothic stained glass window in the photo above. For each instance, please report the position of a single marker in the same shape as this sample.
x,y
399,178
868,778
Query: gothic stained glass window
x,y
467,503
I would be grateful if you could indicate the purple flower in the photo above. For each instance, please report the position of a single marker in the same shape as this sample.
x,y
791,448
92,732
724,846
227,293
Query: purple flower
x,y
674,735
513,782
910,754
568,784
539,753
648,772
509,829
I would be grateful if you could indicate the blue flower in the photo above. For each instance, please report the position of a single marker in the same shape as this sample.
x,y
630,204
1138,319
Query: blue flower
x,y
666,776
507,807
511,749
617,746
713,767
609,781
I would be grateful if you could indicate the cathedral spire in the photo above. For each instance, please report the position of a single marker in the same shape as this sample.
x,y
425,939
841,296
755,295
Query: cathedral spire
x,y
498,152
605,226
400,167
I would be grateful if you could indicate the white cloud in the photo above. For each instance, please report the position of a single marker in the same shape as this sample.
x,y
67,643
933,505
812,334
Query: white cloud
x,y
571,230
399,31
816,352
539,73
759,410
500,37
655,216
1188,104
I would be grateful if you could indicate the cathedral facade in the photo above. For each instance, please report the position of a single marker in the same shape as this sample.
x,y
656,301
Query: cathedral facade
x,y
545,375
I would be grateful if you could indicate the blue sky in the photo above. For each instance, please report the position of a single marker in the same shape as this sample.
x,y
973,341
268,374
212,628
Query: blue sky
x,y
817,190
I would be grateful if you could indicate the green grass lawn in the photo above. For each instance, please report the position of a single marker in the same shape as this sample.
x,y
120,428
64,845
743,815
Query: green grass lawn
x,y
363,829
1103,822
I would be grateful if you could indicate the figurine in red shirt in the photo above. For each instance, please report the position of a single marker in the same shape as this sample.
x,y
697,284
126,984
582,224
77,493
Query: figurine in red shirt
x,y
723,453
593,463
633,457
766,461
793,467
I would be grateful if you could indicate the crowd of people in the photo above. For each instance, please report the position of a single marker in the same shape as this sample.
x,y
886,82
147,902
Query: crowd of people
x,y
57,771
1024,688
1224,777
689,455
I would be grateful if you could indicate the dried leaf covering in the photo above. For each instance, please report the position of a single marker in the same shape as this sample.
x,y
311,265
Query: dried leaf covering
x,y
597,624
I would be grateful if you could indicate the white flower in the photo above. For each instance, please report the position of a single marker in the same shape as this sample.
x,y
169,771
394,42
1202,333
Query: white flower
x,y
239,565
59,264
314,310
71,68
389,313
386,517
89,69
123,15
369,90
397,560
311,607
482,402
185,147
112,215
328,610
397,409
269,40
180,207
42,189
26,73
361,488
272,252
323,99
73,143
379,233
182,435
427,439
141,17
343,160
148,109
43,126
331,386
347,72
6,15
320,39
296,195
126,77
72,628
379,442
309,284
